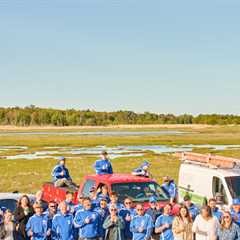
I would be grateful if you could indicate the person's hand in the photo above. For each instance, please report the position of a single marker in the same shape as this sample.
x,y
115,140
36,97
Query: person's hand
x,y
114,218
30,233
62,173
48,232
87,221
166,225
128,218
141,229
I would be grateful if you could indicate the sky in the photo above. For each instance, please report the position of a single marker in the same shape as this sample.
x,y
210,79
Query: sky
x,y
158,56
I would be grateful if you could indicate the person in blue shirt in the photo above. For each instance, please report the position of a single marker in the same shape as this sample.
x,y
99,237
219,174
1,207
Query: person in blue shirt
x,y
62,224
50,213
103,212
212,203
154,210
103,165
141,225
127,213
37,227
69,202
163,225
87,221
79,206
142,170
61,176
192,208
170,187
235,211
103,193
114,201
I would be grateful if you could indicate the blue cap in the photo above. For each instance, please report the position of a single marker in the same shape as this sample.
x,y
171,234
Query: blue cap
x,y
145,164
61,158
236,201
152,199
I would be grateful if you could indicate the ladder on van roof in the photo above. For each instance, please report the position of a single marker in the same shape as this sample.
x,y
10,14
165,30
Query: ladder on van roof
x,y
210,160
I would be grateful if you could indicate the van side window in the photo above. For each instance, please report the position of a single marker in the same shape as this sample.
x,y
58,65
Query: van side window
x,y
87,186
218,187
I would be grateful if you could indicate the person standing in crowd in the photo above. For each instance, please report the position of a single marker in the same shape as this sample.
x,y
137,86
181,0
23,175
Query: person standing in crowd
x,y
22,214
212,203
103,193
182,225
127,213
9,226
142,170
170,187
114,201
39,199
62,224
103,212
87,221
50,213
61,176
163,225
205,225
103,165
69,201
228,230
141,225
79,206
235,211
114,225
192,208
93,197
154,210
37,227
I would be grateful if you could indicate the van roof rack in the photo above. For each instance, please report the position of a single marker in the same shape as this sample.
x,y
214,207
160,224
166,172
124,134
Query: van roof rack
x,y
210,160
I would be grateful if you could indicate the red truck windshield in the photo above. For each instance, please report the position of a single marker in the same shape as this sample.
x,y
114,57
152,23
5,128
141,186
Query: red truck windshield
x,y
139,191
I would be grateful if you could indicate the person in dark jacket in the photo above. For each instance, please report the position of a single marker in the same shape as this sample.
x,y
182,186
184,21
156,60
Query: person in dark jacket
x,y
22,214
114,225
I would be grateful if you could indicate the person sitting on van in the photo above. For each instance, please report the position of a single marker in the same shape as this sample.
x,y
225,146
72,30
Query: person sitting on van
x,y
235,210
212,203
142,170
103,165
61,175
192,208
170,187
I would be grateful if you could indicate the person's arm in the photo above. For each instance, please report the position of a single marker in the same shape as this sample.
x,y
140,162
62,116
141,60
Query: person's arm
x,y
57,172
28,228
108,223
149,229
98,166
177,227
110,170
68,175
133,227
120,223
78,221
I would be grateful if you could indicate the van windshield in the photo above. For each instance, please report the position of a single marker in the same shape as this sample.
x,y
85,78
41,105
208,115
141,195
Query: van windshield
x,y
139,191
233,186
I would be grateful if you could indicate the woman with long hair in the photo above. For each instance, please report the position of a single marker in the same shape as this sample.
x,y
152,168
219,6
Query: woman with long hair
x,y
22,214
205,225
228,230
182,225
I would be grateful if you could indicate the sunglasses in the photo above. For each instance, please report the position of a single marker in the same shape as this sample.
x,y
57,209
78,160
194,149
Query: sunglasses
x,y
140,209
113,210
227,217
52,206
128,202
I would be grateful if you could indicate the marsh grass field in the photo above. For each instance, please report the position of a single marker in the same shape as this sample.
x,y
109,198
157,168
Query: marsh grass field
x,y
26,175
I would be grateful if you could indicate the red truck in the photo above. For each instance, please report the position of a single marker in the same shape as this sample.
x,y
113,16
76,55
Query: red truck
x,y
139,189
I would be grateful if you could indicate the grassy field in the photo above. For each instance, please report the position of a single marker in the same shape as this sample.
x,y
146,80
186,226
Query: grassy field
x,y
28,175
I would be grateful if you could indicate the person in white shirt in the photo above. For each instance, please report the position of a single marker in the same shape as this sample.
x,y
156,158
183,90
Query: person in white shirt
x,y
205,225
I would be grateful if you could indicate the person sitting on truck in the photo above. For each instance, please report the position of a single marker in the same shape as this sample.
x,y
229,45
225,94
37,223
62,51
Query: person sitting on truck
x,y
61,175
127,213
235,210
103,165
37,226
114,201
62,224
141,225
103,193
87,221
142,170
192,208
212,203
170,187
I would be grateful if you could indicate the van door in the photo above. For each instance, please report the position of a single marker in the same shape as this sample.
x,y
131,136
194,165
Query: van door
x,y
218,187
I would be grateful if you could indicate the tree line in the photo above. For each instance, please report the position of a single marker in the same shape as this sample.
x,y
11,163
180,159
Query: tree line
x,y
35,116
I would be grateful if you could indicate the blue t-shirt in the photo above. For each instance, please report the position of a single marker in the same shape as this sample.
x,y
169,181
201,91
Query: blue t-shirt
x,y
167,234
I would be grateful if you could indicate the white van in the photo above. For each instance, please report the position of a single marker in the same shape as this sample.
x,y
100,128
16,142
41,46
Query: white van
x,y
204,176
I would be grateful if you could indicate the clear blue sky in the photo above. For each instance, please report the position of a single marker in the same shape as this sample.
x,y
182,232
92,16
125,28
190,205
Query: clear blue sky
x,y
161,56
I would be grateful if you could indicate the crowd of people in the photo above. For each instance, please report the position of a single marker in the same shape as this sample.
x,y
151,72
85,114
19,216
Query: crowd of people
x,y
101,216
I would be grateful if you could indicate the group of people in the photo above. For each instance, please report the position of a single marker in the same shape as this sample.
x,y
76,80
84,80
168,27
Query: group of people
x,y
102,217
